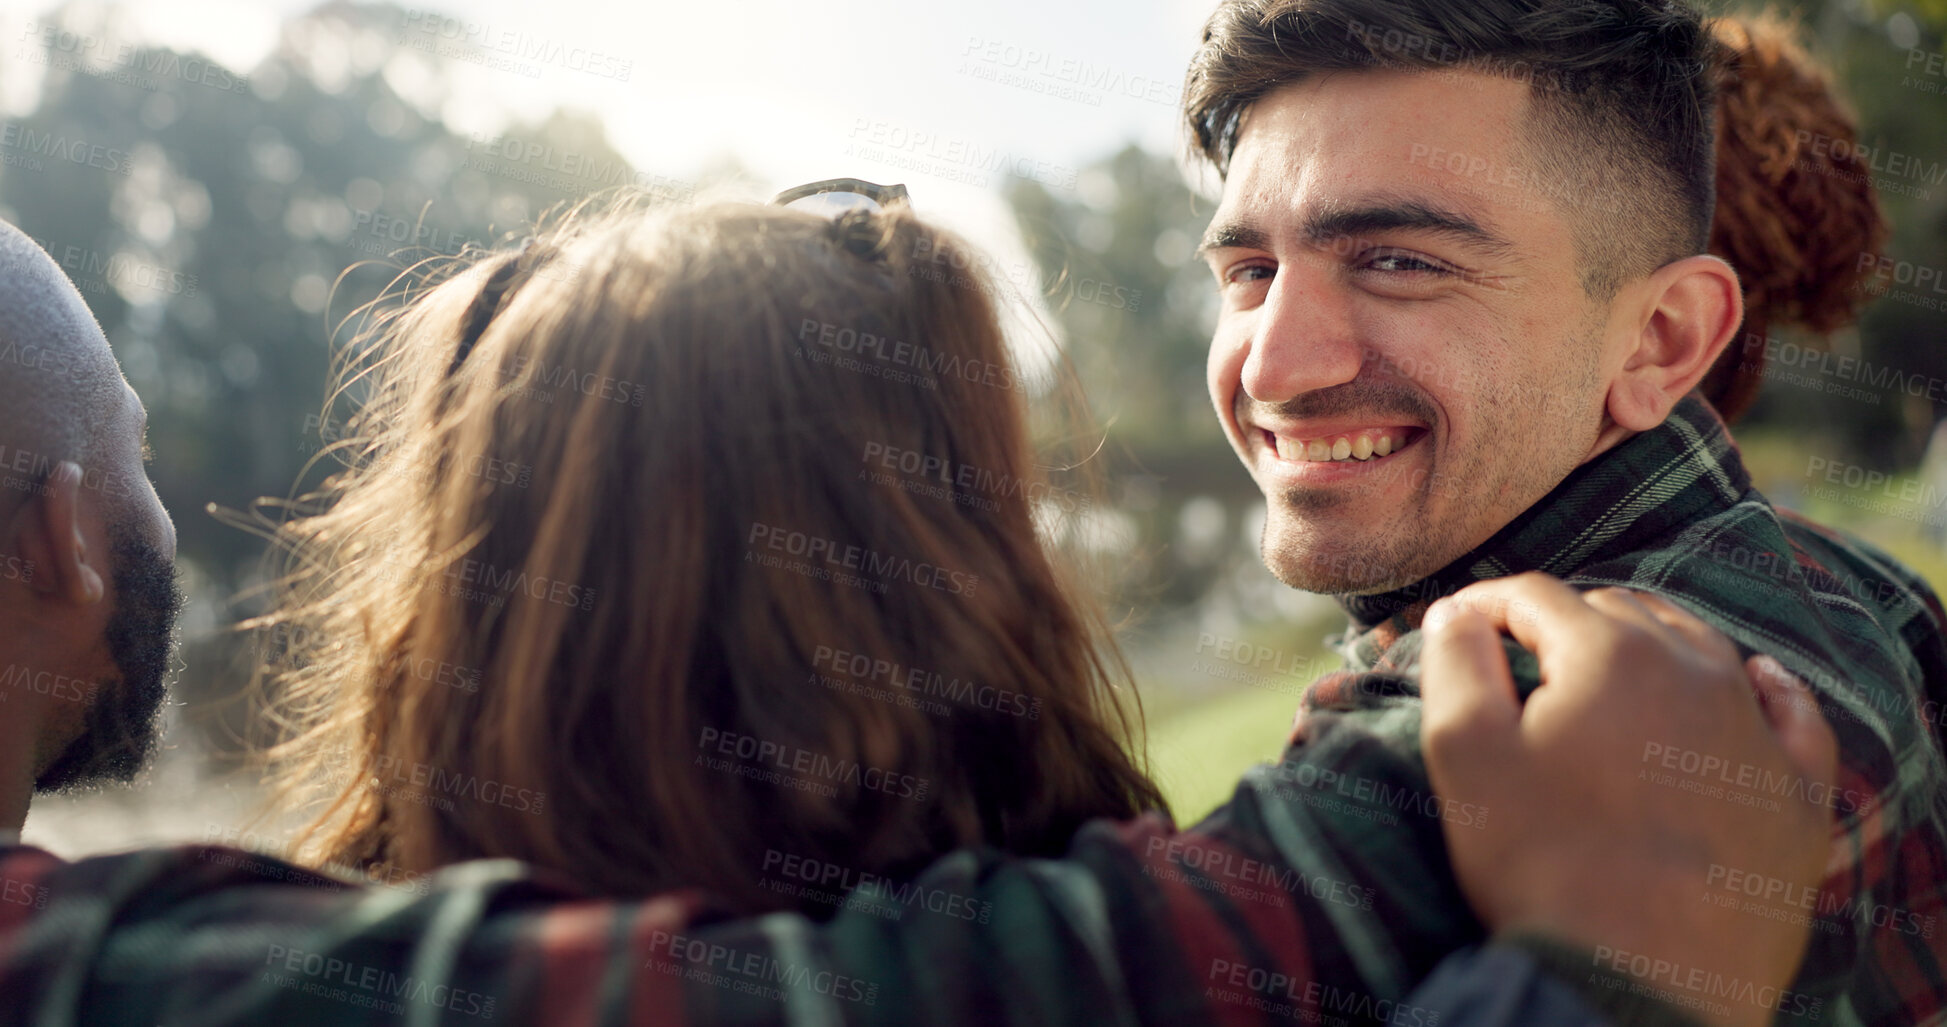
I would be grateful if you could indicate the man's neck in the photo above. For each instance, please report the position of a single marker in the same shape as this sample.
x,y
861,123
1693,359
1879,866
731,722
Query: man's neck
x,y
1586,514
1609,437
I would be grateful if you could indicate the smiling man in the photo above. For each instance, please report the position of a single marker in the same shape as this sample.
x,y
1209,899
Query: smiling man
x,y
1465,304
1408,356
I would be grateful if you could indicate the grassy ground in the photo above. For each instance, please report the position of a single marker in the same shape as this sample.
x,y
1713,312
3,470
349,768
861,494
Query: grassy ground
x,y
1198,748
1198,751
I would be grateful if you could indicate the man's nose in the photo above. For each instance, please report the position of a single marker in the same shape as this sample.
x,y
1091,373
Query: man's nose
x,y
1303,338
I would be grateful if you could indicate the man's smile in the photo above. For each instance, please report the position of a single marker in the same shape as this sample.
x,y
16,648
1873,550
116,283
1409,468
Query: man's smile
x,y
1322,452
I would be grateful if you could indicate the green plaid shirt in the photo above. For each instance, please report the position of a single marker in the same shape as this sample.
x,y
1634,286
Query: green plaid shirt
x,y
1320,893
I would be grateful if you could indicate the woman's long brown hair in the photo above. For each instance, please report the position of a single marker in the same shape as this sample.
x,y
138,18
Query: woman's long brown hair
x,y
684,547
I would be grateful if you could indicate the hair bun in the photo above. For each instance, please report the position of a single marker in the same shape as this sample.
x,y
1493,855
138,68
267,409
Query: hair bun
x,y
1795,203
859,233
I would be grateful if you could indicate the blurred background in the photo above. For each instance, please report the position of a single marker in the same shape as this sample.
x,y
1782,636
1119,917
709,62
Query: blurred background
x,y
228,182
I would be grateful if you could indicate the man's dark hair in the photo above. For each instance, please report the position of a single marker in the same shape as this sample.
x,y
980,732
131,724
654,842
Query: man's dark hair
x,y
1622,99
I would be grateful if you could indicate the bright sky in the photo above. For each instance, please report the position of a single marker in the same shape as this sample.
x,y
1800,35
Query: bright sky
x,y
948,98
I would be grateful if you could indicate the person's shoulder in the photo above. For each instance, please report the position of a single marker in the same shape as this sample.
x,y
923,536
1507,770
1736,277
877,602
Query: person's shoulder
x,y
1862,570
24,875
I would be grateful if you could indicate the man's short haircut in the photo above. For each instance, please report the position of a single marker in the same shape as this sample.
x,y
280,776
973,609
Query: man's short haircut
x,y
59,382
1621,117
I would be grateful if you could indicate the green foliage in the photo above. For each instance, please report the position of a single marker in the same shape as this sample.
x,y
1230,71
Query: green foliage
x,y
224,233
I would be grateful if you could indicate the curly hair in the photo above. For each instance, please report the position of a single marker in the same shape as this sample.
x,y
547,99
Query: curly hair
x,y
1795,208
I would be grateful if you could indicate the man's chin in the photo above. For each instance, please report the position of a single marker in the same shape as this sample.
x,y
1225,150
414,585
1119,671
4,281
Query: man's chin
x,y
119,731
117,744
1311,564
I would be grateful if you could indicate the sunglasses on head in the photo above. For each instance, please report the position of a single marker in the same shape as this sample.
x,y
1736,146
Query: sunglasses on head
x,y
835,197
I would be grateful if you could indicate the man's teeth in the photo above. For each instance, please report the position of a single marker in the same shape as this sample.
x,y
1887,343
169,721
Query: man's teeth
x,y
1362,446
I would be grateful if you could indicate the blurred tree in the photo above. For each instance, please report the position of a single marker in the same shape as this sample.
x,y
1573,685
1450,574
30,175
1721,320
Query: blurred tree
x,y
1116,261
225,223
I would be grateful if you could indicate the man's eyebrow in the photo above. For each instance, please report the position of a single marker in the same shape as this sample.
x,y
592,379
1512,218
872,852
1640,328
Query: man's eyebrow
x,y
1232,234
1408,215
1346,222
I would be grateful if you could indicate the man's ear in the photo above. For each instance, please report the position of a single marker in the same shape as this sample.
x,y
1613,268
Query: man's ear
x,y
1691,309
48,533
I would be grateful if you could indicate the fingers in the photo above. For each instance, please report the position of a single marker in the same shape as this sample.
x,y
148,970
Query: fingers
x,y
1793,711
1687,624
1624,605
1534,608
1470,708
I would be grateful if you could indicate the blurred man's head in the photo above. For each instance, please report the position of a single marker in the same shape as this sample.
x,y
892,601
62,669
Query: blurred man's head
x,y
1457,251
88,598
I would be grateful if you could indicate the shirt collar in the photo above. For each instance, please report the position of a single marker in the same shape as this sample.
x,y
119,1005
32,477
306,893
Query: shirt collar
x,y
1637,495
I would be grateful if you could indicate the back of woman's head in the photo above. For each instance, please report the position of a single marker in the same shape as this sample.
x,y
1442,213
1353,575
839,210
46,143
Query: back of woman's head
x,y
681,544
1796,208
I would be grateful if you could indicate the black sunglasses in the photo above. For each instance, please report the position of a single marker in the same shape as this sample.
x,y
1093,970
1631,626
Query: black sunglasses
x,y
835,197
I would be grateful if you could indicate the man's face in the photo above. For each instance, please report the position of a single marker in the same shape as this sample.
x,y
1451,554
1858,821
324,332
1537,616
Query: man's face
x,y
1384,299
119,726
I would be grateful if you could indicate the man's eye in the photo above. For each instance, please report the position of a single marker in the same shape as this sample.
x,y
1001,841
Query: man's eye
x,y
1404,263
1248,273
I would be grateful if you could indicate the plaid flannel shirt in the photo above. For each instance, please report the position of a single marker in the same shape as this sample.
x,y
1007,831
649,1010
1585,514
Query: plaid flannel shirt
x,y
1320,893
